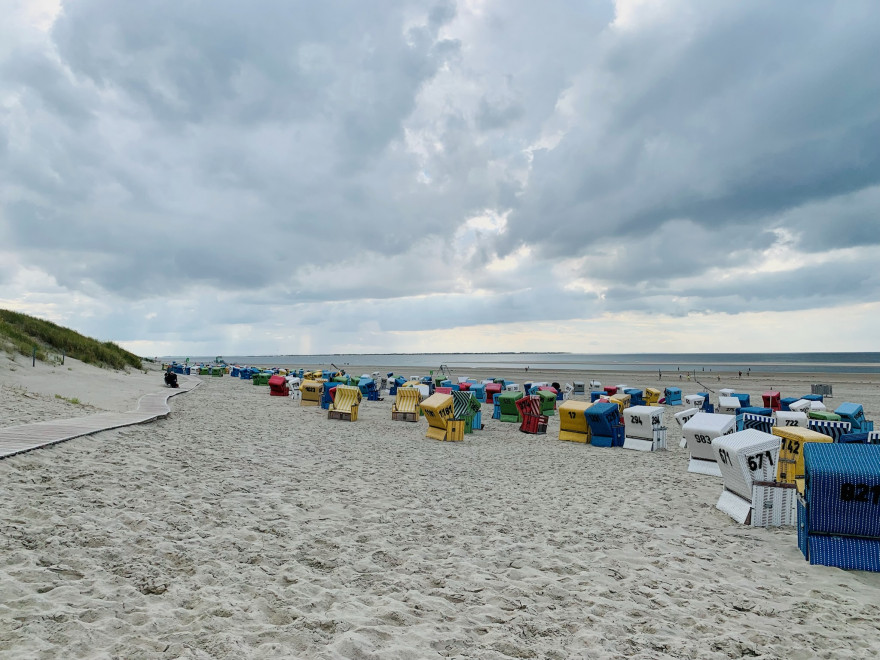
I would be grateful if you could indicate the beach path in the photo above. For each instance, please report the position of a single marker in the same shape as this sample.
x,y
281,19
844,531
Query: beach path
x,y
25,437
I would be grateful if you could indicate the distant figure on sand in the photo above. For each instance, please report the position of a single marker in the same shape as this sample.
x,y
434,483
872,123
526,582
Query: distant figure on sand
x,y
740,374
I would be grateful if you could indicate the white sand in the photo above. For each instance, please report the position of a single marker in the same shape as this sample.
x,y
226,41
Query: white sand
x,y
246,526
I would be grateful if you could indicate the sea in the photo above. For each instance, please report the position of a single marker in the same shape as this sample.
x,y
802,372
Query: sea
x,y
856,363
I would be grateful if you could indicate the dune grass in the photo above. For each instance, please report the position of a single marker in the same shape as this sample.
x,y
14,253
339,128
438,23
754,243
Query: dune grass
x,y
24,332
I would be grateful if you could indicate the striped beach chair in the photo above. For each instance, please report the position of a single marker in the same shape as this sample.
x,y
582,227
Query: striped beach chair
x,y
345,404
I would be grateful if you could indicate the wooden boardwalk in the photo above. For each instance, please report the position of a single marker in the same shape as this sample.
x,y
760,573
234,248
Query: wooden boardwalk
x,y
25,437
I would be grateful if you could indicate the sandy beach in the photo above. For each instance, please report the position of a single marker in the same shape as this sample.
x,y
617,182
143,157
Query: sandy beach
x,y
247,526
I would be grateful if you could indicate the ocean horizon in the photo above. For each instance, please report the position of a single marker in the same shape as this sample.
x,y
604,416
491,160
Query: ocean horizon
x,y
831,362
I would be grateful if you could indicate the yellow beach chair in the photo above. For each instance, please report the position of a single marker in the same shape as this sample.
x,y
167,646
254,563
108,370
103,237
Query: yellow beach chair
x,y
345,405
406,405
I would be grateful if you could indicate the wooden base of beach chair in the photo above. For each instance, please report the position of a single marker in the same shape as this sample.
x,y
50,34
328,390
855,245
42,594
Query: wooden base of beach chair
x,y
404,416
344,416
572,436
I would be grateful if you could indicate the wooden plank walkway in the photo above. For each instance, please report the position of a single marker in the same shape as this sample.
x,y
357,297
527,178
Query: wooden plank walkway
x,y
25,437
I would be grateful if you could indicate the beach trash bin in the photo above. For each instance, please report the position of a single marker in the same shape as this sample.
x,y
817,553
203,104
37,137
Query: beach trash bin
x,y
699,432
438,410
509,411
573,425
839,512
643,427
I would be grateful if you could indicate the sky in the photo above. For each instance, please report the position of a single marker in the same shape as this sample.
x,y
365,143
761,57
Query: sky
x,y
281,177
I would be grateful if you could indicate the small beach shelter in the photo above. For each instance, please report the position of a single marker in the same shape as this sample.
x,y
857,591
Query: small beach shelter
x,y
547,395
345,404
855,415
465,407
479,390
771,399
406,405
579,388
673,396
311,392
261,378
728,405
606,429
278,386
838,517
573,425
509,411
439,411
643,428
785,402
610,390
636,396
621,399
699,432
529,408
790,467
493,390
726,391
744,400
694,400
791,418
652,396
747,458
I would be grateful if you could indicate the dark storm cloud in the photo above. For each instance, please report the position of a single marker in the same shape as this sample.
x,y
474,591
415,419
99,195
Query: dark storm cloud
x,y
322,159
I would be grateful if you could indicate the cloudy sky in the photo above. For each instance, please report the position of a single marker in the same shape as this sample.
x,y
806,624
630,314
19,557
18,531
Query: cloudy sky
x,y
216,177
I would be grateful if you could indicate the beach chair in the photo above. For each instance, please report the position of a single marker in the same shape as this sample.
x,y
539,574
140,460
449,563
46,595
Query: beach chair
x,y
790,467
529,408
606,429
580,388
643,428
406,405
673,396
772,399
855,415
312,391
699,432
652,396
548,397
439,411
509,411
465,406
622,400
278,386
573,425
345,403
750,495
838,516
636,396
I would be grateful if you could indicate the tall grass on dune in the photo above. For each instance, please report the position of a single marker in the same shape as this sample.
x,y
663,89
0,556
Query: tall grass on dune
x,y
24,332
